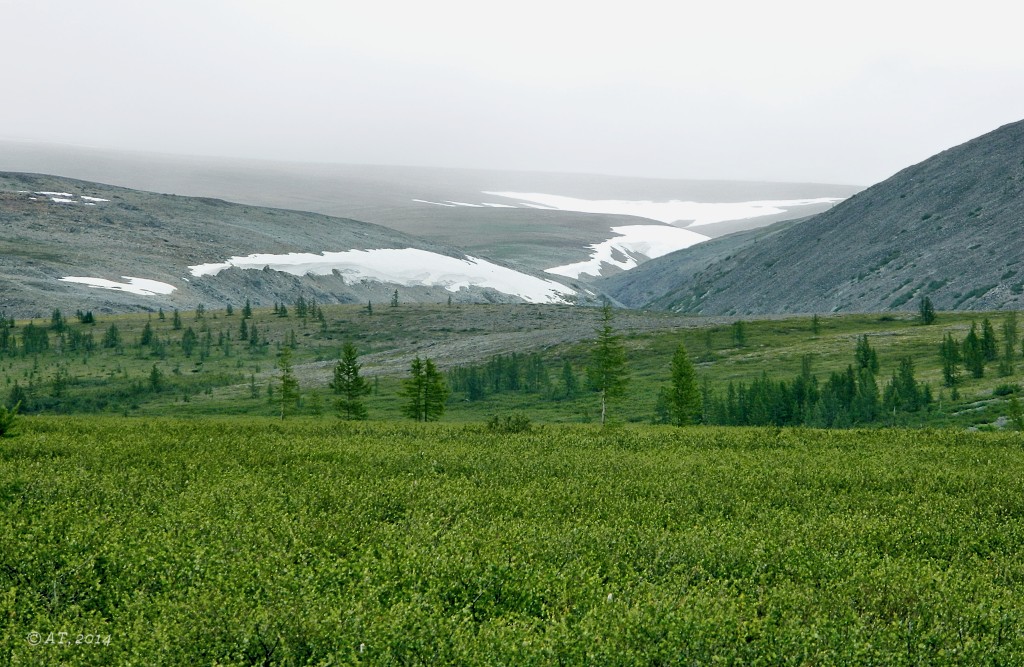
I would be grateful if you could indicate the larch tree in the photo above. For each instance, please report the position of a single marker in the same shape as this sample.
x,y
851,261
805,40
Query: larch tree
x,y
607,373
426,391
685,397
288,396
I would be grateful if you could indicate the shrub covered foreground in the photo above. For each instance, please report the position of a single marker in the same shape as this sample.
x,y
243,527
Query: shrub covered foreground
x,y
231,542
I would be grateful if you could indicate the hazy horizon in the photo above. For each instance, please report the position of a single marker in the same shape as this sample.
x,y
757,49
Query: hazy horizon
x,y
792,92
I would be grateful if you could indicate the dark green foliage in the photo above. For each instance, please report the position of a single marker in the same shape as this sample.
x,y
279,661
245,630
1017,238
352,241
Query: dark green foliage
x,y
230,310
607,373
1015,413
426,391
176,320
147,335
156,379
989,346
815,324
8,419
288,396
1009,344
926,311
189,339
57,322
6,337
865,356
570,384
973,353
502,373
18,396
1006,390
34,339
904,393
513,423
394,299
739,333
951,357
112,337
86,317
349,386
684,394
80,341
247,309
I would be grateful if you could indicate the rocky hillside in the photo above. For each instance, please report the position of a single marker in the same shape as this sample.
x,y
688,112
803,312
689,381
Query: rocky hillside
x,y
74,245
947,228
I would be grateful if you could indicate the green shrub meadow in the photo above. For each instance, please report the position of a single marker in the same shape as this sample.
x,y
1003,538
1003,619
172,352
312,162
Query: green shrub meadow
x,y
240,541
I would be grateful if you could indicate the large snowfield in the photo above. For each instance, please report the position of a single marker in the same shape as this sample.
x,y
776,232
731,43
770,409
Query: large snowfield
x,y
403,266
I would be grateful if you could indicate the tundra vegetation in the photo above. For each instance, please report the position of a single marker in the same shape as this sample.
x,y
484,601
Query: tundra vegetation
x,y
257,541
214,532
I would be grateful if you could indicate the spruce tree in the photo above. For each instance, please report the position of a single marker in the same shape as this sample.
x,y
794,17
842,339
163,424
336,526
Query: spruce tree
x,y
739,333
607,373
989,347
865,356
1009,344
349,385
684,396
949,352
973,353
926,311
569,382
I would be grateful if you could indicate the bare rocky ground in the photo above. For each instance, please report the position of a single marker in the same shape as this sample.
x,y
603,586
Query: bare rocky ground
x,y
461,334
98,231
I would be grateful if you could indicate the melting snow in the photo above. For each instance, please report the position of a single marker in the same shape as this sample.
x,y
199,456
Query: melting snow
x,y
142,286
56,194
84,198
61,200
649,241
700,213
407,266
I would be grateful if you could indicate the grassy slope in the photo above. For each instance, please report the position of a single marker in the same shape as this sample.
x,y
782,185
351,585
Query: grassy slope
x,y
117,381
251,542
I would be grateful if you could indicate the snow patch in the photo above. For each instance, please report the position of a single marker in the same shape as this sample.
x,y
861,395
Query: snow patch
x,y
699,213
405,266
93,199
648,241
141,286
61,200
56,194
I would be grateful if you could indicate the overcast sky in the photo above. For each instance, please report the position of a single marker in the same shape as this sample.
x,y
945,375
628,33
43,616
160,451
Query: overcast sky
x,y
842,92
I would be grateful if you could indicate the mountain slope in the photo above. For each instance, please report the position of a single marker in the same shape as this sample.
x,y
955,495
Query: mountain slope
x,y
78,245
948,228
655,278
486,213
